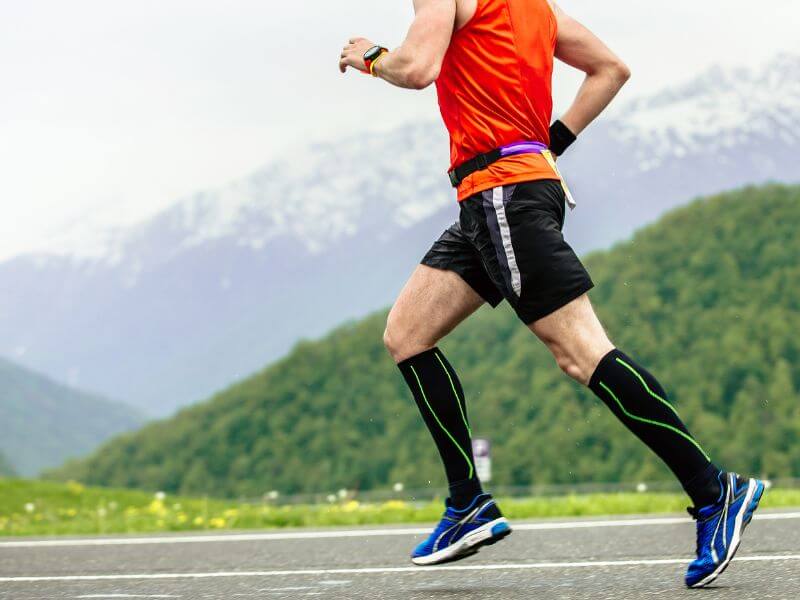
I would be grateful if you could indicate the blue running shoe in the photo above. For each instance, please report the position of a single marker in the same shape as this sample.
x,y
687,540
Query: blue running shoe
x,y
461,533
720,527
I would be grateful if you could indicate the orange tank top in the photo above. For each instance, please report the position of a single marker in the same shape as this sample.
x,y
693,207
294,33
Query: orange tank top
x,y
495,88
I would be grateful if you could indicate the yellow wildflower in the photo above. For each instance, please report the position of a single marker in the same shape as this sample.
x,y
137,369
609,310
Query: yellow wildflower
x,y
156,507
75,488
350,506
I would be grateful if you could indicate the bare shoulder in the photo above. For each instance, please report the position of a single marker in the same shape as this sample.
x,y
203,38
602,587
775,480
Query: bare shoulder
x,y
462,10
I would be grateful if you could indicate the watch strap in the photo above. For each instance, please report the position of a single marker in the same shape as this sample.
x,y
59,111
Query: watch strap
x,y
375,62
373,54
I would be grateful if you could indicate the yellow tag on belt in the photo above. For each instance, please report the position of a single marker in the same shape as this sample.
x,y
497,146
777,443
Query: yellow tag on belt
x,y
548,156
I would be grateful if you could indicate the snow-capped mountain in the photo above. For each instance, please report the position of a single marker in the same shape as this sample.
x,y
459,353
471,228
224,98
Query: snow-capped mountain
x,y
318,196
720,109
163,313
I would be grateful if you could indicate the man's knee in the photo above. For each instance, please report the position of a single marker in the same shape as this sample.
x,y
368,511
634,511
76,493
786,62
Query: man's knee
x,y
576,338
402,343
391,341
580,361
580,371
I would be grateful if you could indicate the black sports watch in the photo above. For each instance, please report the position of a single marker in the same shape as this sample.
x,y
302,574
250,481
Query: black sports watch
x,y
371,54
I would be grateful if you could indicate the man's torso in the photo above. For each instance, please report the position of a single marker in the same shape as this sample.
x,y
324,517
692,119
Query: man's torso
x,y
495,87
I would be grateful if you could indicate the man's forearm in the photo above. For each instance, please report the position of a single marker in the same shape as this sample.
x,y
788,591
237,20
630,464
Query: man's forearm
x,y
596,93
605,72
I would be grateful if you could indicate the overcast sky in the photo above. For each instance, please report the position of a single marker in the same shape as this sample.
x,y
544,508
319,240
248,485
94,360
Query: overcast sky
x,y
113,109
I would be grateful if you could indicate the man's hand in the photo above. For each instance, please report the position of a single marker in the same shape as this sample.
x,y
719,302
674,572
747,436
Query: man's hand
x,y
353,54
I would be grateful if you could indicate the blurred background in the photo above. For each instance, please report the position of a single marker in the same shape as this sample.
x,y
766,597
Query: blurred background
x,y
203,223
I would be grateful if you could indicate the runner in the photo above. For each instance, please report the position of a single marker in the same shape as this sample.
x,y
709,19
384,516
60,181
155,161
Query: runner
x,y
492,62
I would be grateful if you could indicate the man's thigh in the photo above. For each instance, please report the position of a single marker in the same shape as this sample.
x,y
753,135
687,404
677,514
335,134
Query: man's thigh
x,y
575,336
432,303
449,285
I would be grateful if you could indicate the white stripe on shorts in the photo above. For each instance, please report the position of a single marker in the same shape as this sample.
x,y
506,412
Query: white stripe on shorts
x,y
505,234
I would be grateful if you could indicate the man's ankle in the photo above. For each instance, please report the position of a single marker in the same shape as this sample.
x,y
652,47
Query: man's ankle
x,y
706,488
463,493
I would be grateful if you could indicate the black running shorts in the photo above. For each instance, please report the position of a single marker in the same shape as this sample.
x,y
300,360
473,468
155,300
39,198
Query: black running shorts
x,y
508,244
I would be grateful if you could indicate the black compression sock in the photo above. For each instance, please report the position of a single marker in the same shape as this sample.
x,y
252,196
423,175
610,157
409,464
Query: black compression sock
x,y
705,488
462,493
440,399
639,401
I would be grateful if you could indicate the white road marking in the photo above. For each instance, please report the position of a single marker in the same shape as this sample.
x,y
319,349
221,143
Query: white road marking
x,y
386,570
127,596
351,533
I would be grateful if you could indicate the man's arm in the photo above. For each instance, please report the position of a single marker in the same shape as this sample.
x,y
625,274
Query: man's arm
x,y
605,72
417,62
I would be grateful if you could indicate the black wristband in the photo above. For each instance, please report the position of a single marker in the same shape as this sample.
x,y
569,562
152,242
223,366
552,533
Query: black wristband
x,y
561,138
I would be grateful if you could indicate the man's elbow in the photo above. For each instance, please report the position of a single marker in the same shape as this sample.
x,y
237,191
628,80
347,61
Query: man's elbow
x,y
620,72
421,76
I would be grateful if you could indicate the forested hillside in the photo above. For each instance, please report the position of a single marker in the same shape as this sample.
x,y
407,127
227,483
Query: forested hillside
x,y
43,423
708,298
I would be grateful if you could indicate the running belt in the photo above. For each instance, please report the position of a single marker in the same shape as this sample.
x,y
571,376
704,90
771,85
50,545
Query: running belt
x,y
482,161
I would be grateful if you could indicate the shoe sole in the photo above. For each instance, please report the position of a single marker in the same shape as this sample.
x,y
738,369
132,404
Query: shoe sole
x,y
755,491
485,535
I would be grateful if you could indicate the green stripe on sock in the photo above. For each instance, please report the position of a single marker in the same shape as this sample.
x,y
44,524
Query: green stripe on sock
x,y
458,400
646,387
460,449
655,423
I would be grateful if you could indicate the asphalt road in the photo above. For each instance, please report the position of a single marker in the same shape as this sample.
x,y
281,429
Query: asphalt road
x,y
597,559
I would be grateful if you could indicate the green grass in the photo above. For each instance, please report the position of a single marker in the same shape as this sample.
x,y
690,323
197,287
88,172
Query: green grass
x,y
43,508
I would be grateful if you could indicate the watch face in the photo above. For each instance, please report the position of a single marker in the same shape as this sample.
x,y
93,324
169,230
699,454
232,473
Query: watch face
x,y
372,53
